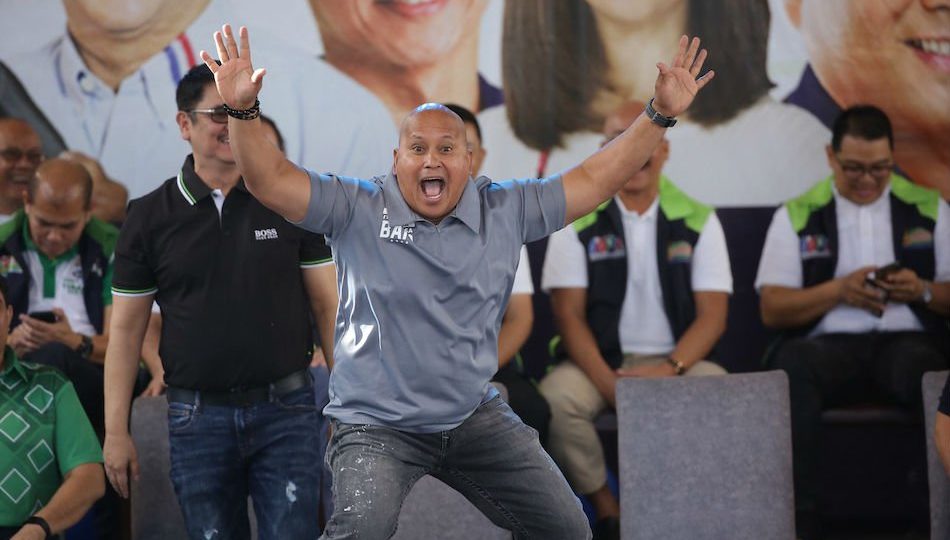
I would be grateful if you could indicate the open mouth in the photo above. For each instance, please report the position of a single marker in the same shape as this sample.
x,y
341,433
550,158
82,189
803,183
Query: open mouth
x,y
224,139
432,187
933,51
413,7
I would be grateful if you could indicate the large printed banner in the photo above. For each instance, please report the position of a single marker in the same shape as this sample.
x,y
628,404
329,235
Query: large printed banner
x,y
99,77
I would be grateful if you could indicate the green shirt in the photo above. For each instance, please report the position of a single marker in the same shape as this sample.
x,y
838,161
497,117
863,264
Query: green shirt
x,y
44,434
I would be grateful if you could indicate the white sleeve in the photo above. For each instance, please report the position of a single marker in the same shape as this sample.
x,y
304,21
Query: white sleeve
x,y
710,266
523,283
942,243
781,260
565,266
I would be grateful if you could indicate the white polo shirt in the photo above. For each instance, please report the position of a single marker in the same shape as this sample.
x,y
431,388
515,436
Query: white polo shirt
x,y
644,328
58,283
864,239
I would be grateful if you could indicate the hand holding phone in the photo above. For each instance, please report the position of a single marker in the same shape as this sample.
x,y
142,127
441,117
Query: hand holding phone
x,y
45,316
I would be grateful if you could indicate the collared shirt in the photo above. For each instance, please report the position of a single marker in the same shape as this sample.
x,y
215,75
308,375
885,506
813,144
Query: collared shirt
x,y
644,328
234,308
420,303
44,434
58,283
864,239
133,131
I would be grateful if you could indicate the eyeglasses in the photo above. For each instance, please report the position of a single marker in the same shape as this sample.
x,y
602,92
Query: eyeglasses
x,y
855,171
218,114
13,155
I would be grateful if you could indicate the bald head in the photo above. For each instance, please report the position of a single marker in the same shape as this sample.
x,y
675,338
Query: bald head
x,y
428,110
60,183
14,129
619,120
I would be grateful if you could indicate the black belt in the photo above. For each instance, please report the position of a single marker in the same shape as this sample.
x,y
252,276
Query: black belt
x,y
242,397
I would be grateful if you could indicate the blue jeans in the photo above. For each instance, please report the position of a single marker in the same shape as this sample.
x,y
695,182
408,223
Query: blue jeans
x,y
220,455
492,458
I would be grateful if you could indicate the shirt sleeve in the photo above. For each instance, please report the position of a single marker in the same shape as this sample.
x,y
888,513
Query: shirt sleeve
x,y
523,284
565,266
781,261
710,267
544,206
314,251
332,200
131,273
76,442
945,398
942,242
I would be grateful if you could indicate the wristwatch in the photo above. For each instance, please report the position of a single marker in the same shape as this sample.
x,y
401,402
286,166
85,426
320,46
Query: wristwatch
x,y
927,295
677,365
657,118
85,346
37,520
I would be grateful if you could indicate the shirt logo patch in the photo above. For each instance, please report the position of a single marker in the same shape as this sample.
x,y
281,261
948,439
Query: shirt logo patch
x,y
400,234
679,252
9,265
265,234
918,238
814,246
608,246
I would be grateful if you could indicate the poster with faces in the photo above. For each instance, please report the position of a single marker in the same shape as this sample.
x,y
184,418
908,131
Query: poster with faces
x,y
784,70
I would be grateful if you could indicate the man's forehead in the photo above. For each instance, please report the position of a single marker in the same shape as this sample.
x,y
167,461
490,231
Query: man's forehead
x,y
18,132
433,123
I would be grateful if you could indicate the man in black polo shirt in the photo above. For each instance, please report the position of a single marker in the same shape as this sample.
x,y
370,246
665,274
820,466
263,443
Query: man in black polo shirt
x,y
232,279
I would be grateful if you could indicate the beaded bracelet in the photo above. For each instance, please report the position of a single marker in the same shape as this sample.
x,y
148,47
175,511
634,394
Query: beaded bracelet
x,y
245,114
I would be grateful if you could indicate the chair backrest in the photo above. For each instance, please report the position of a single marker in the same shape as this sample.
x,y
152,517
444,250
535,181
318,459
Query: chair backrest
x,y
706,457
932,385
155,511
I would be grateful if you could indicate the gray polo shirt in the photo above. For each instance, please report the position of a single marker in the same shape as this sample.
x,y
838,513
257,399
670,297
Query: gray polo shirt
x,y
421,304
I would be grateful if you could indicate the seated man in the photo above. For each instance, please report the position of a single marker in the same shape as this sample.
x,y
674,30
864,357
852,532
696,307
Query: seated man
x,y
50,472
856,327
523,396
57,260
20,154
624,311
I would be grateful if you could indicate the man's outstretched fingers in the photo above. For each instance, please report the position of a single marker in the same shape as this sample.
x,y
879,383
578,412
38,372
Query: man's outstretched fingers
x,y
230,42
212,65
222,50
680,52
698,63
245,51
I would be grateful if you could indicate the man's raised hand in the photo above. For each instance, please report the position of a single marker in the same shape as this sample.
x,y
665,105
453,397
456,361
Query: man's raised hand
x,y
677,84
237,81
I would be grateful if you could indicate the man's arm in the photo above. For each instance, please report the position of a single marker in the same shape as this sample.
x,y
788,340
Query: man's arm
x,y
601,175
81,487
570,316
122,361
515,327
712,309
790,307
273,180
320,283
942,439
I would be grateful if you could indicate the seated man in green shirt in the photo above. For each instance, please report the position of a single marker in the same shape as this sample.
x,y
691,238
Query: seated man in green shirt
x,y
50,459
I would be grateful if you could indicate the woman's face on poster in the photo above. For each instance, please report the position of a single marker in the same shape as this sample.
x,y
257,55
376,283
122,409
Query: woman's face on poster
x,y
397,32
634,12
891,53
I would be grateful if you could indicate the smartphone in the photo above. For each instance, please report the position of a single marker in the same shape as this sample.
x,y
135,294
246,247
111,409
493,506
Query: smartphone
x,y
45,316
882,273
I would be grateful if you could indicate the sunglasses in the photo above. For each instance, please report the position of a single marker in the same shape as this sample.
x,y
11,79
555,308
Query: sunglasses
x,y
218,114
14,155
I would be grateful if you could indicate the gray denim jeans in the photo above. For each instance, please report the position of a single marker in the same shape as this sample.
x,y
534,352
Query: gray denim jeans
x,y
492,458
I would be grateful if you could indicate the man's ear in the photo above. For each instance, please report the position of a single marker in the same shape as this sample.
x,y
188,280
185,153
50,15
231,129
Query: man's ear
x,y
793,8
183,120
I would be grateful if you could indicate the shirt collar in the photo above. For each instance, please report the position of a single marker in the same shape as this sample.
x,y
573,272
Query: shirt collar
x,y
649,215
74,78
468,209
842,202
12,365
192,187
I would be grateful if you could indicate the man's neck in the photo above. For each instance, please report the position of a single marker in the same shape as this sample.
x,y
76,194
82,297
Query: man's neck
x,y
218,175
631,52
638,201
454,78
114,55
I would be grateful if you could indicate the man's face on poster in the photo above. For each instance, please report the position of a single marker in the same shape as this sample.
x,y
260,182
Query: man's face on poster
x,y
894,54
114,15
410,33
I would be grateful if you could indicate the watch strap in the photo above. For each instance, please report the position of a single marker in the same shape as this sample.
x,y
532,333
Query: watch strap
x,y
657,118
37,520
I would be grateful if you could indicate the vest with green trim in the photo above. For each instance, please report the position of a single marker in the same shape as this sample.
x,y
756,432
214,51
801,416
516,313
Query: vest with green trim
x,y
680,220
96,246
913,218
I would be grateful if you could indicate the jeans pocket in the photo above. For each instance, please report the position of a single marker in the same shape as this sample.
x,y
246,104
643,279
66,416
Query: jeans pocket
x,y
180,416
300,400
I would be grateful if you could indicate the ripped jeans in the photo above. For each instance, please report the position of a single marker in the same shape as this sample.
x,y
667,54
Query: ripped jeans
x,y
269,450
